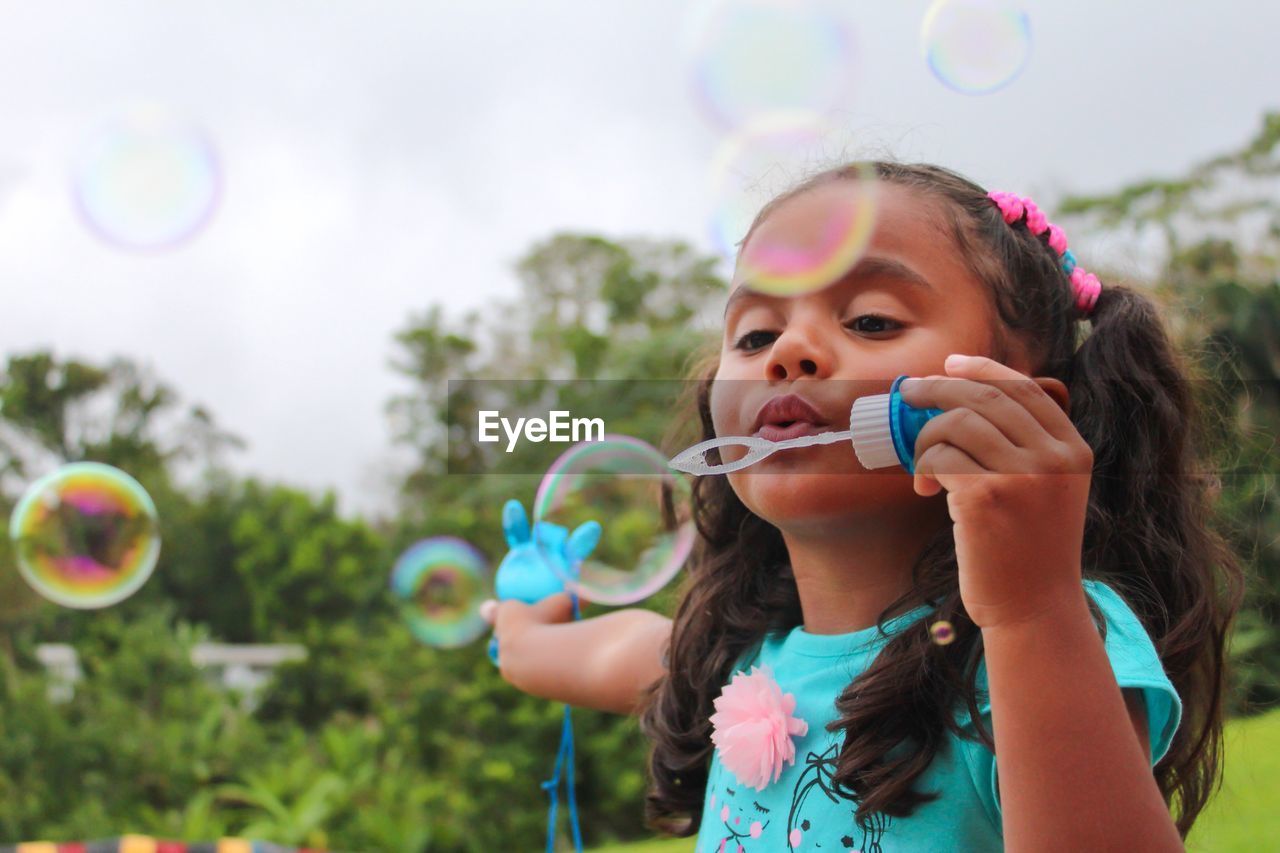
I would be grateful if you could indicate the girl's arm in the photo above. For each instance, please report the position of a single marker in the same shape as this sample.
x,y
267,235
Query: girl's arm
x,y
1073,774
602,663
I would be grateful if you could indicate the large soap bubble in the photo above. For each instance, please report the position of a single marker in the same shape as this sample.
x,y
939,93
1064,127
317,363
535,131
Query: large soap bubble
x,y
976,46
146,179
797,261
752,58
86,535
764,159
440,583
642,505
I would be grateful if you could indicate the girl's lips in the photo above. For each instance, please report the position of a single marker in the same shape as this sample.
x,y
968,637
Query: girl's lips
x,y
795,429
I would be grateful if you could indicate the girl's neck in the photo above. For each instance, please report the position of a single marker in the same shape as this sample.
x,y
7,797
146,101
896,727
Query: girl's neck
x,y
850,571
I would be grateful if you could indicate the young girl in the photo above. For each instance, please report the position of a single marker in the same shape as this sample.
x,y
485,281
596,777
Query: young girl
x,y
806,696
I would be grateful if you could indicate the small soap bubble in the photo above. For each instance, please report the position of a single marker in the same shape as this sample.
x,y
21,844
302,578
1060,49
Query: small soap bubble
x,y
440,583
976,46
146,179
797,261
942,632
751,58
642,506
758,163
86,535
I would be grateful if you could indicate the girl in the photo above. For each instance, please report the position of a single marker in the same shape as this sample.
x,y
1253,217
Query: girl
x,y
807,694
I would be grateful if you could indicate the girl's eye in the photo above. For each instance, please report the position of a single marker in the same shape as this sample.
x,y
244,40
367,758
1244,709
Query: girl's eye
x,y
759,807
742,341
878,320
878,324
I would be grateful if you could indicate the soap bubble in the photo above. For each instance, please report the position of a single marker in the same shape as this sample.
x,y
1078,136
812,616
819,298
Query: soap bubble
x,y
146,179
942,632
976,46
755,164
642,506
440,583
86,535
765,159
801,261
750,58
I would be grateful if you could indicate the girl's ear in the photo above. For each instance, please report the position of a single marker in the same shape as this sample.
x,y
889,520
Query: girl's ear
x,y
1057,390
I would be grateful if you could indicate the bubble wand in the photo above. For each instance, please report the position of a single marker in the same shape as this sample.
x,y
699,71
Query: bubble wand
x,y
882,428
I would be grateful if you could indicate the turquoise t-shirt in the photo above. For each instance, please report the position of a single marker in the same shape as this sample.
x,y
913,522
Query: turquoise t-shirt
x,y
800,811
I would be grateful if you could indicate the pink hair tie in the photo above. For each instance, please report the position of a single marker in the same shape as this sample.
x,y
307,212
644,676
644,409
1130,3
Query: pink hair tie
x,y
1087,289
1037,222
1010,206
1084,285
1057,239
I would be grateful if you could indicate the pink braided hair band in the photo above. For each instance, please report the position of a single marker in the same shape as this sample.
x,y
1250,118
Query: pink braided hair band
x,y
1084,284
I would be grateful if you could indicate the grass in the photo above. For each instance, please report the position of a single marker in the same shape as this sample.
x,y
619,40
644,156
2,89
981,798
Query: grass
x,y
1243,817
1245,814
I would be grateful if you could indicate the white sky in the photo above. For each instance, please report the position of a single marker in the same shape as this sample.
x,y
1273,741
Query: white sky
x,y
384,156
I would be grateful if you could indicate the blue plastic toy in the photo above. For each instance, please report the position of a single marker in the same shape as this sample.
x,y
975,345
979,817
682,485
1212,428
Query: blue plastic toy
x,y
539,559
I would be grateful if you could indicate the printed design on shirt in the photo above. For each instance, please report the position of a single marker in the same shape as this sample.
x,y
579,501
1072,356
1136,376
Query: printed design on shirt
x,y
802,832
742,822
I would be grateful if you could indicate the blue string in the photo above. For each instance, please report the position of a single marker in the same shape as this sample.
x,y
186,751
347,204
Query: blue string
x,y
564,756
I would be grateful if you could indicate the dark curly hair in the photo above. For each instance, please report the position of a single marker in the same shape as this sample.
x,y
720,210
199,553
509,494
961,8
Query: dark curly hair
x,y
1148,535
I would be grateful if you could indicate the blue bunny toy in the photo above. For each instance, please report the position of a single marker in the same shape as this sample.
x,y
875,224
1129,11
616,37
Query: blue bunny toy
x,y
539,560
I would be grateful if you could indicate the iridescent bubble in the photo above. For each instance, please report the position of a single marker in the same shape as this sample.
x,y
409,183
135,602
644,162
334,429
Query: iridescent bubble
x,y
801,261
942,632
440,583
641,504
755,164
758,163
86,535
751,58
976,46
147,179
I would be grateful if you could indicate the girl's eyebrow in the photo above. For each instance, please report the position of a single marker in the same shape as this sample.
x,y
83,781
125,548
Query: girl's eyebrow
x,y
872,266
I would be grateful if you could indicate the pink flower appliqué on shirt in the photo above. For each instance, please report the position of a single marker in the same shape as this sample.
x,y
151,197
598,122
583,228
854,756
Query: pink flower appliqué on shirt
x,y
753,726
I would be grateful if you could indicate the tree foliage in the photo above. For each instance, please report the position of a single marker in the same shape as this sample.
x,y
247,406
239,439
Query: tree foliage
x,y
1219,232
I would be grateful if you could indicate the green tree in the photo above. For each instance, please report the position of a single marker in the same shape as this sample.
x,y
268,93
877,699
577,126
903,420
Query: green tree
x,y
1219,231
588,308
306,569
54,411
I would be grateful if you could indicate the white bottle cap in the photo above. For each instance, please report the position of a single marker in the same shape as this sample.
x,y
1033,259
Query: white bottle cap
x,y
870,433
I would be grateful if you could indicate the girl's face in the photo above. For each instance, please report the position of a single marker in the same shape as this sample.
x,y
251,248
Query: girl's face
x,y
908,304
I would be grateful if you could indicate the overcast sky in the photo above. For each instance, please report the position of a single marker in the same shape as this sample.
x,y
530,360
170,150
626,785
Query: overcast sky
x,y
383,156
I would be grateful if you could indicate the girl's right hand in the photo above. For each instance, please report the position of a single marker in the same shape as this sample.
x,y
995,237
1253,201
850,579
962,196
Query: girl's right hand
x,y
516,626
602,662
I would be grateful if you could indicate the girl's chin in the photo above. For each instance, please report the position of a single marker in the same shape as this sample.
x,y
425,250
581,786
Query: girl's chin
x,y
804,462
806,492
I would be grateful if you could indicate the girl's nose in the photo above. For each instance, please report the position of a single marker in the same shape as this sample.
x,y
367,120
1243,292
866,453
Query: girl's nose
x,y
800,351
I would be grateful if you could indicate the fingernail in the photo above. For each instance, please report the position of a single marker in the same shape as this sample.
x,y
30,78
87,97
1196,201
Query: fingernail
x,y
488,608
956,360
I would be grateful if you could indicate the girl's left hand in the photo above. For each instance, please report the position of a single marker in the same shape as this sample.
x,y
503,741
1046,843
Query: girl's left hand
x,y
1017,475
